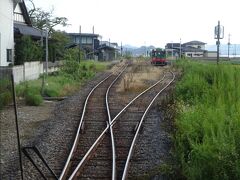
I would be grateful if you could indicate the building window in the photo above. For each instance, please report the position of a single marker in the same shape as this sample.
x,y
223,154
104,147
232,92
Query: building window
x,y
84,40
18,17
9,55
89,40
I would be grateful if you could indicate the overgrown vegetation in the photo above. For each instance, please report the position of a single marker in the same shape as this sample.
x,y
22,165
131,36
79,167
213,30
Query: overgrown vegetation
x,y
27,50
5,92
208,121
62,83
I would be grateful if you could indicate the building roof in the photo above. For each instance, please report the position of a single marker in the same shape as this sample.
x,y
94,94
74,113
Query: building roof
x,y
172,45
83,34
71,45
106,46
194,43
25,13
24,29
192,49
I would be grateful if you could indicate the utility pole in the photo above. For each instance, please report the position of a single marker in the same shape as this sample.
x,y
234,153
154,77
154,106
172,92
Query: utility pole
x,y
93,56
121,49
17,127
219,34
218,42
46,51
172,50
180,49
228,45
235,50
79,50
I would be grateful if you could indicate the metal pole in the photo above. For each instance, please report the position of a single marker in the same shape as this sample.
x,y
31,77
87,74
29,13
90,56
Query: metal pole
x,y
17,127
79,51
172,50
228,45
180,48
93,45
218,42
121,49
46,51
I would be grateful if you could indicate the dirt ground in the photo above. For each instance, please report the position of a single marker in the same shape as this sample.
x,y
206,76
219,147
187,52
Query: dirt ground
x,y
30,119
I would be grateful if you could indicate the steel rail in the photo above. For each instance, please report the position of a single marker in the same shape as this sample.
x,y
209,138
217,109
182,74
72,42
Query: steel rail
x,y
127,165
111,130
101,136
64,171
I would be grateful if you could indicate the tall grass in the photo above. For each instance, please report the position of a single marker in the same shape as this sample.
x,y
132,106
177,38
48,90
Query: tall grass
x,y
208,121
5,92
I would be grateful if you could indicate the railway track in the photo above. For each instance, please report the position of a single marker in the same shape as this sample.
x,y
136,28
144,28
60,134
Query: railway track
x,y
93,121
108,157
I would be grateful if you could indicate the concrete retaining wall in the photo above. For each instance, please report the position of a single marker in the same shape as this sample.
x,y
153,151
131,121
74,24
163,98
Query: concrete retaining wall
x,y
28,71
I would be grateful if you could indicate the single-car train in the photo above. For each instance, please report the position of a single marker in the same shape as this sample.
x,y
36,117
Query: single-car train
x,y
158,57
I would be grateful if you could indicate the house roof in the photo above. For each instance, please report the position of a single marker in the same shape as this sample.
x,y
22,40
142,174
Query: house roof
x,y
24,29
15,2
24,12
172,45
192,49
194,43
105,46
71,45
83,34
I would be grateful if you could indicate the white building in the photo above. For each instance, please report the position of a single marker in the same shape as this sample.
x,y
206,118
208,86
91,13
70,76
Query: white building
x,y
6,31
193,49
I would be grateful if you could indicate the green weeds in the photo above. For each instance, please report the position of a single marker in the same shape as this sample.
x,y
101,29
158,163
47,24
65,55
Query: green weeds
x,y
62,83
208,121
5,92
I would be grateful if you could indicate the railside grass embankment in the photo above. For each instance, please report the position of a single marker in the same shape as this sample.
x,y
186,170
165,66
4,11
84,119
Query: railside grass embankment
x,y
207,135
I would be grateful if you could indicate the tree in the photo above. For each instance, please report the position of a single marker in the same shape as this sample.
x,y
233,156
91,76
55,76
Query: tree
x,y
57,45
27,50
45,19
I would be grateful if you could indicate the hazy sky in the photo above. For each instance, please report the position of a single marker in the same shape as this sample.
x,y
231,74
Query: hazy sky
x,y
150,22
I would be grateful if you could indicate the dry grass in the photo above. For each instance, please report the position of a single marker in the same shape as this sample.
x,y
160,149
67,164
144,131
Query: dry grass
x,y
138,76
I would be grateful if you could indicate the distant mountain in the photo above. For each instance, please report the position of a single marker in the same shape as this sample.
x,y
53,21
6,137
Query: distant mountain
x,y
234,49
127,46
138,51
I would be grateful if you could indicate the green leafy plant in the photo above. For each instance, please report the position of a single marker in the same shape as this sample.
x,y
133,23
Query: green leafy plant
x,y
27,50
33,96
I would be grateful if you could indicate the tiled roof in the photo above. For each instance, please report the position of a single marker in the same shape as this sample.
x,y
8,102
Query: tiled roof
x,y
83,34
194,43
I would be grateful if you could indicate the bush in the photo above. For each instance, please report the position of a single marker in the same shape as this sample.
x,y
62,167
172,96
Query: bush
x,y
27,50
33,96
51,92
